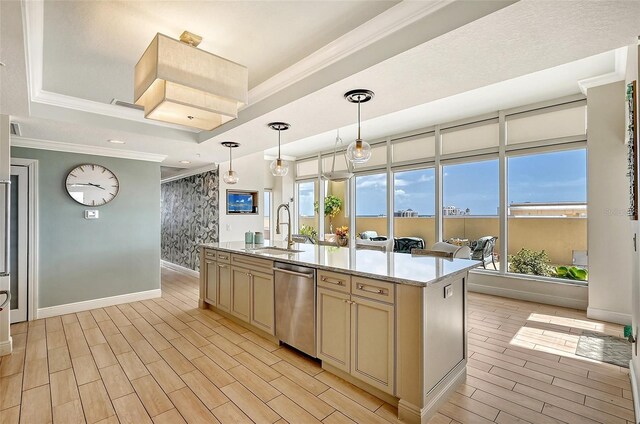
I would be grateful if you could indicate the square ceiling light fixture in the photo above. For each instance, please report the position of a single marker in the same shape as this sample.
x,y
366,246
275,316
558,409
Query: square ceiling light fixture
x,y
178,83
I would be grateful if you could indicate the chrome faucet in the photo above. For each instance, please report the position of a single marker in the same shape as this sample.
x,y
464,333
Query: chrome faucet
x,y
288,224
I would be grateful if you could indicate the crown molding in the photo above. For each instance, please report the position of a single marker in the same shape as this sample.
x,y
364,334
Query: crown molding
x,y
58,146
617,75
394,19
190,172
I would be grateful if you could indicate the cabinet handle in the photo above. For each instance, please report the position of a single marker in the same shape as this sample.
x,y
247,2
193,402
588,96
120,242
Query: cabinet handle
x,y
222,266
348,301
337,283
223,257
377,291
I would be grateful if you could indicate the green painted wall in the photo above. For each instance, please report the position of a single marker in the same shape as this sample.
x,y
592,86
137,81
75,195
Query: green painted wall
x,y
116,254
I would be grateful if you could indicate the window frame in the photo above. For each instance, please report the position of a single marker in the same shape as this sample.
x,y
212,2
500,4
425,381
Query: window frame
x,y
502,152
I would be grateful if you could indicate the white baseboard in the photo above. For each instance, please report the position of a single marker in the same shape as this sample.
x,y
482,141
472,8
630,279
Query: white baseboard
x,y
609,316
180,269
6,347
546,299
635,388
86,305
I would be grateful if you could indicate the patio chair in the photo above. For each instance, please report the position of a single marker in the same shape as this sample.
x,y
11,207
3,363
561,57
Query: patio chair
x,y
460,252
482,250
435,253
382,245
406,244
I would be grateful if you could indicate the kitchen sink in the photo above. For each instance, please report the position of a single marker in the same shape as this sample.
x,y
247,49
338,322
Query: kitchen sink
x,y
275,250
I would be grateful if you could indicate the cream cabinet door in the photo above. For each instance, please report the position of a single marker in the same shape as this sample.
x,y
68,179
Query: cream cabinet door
x,y
240,292
372,343
334,328
262,302
224,287
211,281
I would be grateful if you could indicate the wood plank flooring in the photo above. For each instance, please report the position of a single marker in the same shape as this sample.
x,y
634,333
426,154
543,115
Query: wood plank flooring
x,y
166,361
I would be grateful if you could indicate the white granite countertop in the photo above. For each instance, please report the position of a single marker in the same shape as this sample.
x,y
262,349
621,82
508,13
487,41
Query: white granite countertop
x,y
399,268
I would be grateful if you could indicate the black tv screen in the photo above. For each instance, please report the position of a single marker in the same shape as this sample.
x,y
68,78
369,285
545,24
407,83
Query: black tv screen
x,y
239,202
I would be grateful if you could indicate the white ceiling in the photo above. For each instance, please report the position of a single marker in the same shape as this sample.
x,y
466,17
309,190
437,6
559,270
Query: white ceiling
x,y
556,82
94,57
478,48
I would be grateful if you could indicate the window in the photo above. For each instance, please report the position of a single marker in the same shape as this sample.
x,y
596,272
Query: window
x,y
371,203
307,218
470,201
267,215
338,193
414,204
548,206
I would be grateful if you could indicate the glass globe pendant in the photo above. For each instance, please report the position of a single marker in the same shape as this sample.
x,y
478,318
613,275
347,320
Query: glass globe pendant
x,y
359,151
279,167
231,176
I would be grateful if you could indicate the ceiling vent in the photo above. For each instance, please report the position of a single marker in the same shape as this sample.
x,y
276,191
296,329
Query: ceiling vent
x,y
15,129
126,104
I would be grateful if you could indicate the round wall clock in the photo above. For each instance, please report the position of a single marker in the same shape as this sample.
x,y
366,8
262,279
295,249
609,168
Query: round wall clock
x,y
92,185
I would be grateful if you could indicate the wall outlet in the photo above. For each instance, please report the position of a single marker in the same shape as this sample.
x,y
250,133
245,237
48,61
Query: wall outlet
x,y
448,291
228,227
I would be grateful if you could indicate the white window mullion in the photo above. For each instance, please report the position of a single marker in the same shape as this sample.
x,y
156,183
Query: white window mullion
x,y
503,197
439,186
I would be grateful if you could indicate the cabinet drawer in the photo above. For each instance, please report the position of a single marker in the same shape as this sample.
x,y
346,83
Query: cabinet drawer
x,y
210,254
223,256
334,281
250,262
373,289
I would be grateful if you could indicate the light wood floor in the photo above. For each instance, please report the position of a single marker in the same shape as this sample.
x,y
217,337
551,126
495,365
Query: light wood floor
x,y
165,361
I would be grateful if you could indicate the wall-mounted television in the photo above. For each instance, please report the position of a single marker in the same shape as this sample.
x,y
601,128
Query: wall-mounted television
x,y
242,202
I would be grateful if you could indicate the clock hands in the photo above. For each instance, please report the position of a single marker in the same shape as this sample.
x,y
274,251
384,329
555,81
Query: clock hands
x,y
88,184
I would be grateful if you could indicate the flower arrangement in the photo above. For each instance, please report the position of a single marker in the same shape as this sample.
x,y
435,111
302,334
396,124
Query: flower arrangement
x,y
342,232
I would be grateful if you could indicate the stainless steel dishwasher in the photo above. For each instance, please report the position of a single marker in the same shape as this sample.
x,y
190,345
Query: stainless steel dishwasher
x,y
296,306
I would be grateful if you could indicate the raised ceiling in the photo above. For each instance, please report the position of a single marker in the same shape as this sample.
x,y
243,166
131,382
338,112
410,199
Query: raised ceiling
x,y
414,55
93,57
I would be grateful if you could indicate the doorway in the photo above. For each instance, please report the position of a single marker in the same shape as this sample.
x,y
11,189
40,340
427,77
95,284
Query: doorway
x,y
19,243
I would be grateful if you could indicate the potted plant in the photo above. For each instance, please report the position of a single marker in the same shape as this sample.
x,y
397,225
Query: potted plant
x,y
342,236
332,207
309,231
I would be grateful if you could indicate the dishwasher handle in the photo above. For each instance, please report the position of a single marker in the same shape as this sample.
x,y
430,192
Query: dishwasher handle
x,y
298,274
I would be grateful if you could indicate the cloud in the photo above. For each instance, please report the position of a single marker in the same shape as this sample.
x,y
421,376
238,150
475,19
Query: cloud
x,y
401,193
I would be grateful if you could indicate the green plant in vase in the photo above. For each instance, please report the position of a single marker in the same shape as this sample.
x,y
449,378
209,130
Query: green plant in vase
x,y
332,207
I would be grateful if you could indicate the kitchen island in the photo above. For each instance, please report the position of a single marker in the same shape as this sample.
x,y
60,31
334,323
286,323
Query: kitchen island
x,y
393,324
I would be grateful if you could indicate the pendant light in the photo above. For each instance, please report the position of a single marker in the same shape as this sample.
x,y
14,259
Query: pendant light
x,y
279,167
230,177
177,82
359,151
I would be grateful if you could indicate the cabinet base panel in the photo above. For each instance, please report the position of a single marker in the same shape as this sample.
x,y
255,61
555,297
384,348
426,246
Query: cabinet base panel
x,y
413,414
236,320
358,383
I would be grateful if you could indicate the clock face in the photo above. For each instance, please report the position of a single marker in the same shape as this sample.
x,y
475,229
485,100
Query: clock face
x,y
92,185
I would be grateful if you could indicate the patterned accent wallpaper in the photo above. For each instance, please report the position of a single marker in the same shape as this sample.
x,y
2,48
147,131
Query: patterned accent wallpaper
x,y
189,216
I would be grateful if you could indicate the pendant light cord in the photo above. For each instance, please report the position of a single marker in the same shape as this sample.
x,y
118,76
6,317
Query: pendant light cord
x,y
230,161
358,118
279,142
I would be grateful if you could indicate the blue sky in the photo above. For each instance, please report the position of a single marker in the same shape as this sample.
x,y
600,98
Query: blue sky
x,y
548,177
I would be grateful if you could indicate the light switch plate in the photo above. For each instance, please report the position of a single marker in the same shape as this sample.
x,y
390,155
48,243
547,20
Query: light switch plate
x,y
91,214
448,291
